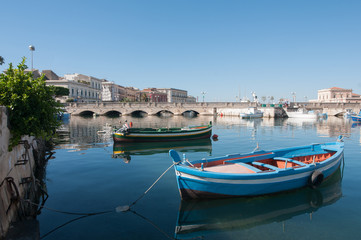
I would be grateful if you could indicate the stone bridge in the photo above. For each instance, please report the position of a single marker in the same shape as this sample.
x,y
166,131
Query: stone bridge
x,y
152,108
201,108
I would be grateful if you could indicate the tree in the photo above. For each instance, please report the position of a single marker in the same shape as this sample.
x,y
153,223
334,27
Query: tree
x,y
263,98
144,97
2,61
61,91
32,108
272,98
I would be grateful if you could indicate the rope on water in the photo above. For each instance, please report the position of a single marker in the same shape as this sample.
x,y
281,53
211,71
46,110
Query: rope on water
x,y
151,186
123,208
70,213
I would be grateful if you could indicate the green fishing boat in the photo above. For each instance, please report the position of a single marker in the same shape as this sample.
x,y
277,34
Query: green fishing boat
x,y
130,134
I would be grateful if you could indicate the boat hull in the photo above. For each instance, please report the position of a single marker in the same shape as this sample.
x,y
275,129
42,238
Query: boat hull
x,y
194,183
163,136
248,115
302,115
356,118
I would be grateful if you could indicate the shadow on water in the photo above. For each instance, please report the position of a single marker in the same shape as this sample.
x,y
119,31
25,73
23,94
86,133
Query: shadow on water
x,y
126,150
197,219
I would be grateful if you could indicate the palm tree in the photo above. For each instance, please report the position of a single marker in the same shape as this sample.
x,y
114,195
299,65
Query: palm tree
x,y
2,61
263,98
272,98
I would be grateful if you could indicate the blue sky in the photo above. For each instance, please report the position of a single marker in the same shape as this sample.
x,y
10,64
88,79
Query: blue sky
x,y
225,48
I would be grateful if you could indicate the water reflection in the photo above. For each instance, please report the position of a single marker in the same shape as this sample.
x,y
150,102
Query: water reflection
x,y
197,219
126,150
81,131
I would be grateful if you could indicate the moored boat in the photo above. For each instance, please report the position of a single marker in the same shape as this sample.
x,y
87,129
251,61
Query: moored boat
x,y
257,173
131,134
356,118
302,113
252,112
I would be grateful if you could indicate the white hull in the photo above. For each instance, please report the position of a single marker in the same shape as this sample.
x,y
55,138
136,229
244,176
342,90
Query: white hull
x,y
302,115
250,115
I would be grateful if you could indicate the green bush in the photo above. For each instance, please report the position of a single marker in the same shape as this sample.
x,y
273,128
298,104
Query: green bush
x,y
32,108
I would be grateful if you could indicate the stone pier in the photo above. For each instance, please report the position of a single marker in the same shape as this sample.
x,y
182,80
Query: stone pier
x,y
17,178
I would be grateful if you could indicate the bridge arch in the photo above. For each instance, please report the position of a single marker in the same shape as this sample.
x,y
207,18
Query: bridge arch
x,y
164,113
112,113
87,113
190,113
138,113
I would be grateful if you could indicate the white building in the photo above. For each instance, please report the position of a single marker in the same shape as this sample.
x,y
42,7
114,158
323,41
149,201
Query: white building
x,y
81,87
113,92
336,94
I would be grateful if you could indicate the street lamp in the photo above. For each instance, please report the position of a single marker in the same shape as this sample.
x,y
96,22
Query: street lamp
x,y
32,49
203,93
294,96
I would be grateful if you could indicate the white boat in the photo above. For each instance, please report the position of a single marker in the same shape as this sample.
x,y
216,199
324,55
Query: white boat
x,y
303,113
252,112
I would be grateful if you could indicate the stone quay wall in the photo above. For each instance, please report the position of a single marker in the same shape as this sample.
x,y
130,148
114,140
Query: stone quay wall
x,y
17,179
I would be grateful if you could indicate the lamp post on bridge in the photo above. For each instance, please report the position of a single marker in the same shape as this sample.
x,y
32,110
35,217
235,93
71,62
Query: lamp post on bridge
x,y
203,93
32,49
294,96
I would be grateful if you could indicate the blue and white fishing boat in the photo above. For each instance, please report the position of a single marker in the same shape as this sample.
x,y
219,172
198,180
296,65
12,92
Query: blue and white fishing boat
x,y
257,173
356,118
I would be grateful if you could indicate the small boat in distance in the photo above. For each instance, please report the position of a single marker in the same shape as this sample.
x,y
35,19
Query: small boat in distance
x,y
356,118
252,112
257,173
131,134
302,113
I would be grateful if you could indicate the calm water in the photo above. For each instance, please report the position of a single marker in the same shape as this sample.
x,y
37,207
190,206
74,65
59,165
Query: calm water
x,y
89,174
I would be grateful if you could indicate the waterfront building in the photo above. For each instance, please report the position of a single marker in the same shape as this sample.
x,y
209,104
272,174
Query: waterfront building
x,y
113,92
175,95
132,94
191,99
81,87
336,94
153,95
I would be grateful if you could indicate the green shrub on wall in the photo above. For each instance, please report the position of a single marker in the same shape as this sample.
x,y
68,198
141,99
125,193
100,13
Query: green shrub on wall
x,y
32,108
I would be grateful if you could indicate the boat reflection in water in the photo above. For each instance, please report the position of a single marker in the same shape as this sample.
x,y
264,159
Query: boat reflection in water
x,y
126,150
197,219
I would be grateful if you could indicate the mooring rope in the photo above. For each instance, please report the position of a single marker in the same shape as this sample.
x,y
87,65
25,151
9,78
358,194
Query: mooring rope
x,y
65,212
123,208
151,186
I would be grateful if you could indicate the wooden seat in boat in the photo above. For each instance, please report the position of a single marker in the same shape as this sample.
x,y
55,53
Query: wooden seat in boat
x,y
291,161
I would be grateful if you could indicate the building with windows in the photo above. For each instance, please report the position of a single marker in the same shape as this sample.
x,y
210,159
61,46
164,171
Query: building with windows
x,y
191,99
175,95
336,94
132,94
153,95
113,92
81,87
